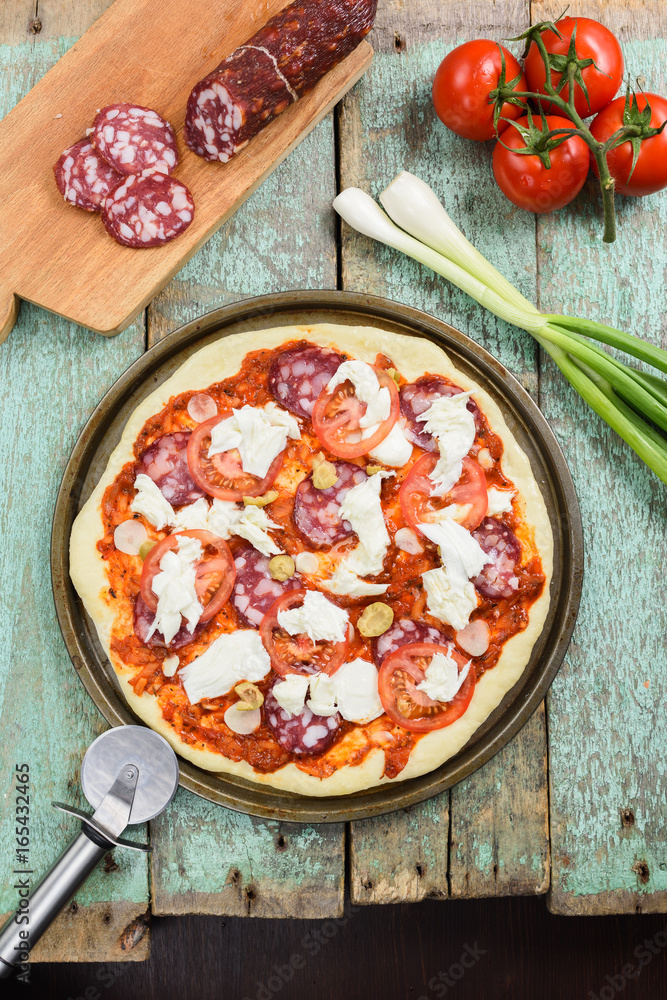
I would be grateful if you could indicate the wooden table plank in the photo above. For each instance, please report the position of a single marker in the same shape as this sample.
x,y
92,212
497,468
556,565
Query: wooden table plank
x,y
606,728
47,717
208,859
404,857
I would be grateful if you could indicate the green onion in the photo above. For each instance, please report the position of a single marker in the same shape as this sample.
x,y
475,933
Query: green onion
x,y
629,400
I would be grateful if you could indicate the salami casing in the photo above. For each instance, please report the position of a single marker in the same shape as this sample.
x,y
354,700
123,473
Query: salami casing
x,y
133,139
416,397
261,78
299,375
498,578
85,179
304,734
254,588
317,512
165,462
402,632
147,210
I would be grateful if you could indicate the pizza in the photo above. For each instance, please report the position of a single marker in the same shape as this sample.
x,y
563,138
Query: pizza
x,y
317,559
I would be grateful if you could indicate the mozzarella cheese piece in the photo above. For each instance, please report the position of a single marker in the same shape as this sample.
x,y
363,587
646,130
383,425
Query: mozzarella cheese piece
x,y
347,584
174,587
367,390
442,679
462,554
322,699
500,501
319,618
452,605
194,517
259,434
150,503
395,450
356,688
407,540
232,657
363,509
252,523
291,693
453,427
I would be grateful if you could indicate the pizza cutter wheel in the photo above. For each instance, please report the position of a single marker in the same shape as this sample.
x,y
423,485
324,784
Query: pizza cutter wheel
x,y
129,775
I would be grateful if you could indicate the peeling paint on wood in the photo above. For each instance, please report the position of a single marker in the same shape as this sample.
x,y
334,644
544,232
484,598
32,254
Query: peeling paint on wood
x,y
208,859
606,729
378,139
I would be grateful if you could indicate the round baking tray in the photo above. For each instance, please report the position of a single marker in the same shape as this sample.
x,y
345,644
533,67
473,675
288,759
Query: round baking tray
x,y
103,431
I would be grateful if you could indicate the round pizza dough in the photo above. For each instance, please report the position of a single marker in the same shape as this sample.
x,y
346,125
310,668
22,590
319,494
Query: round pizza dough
x,y
413,357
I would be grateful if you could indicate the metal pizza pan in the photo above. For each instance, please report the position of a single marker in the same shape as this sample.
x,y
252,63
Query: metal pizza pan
x,y
103,430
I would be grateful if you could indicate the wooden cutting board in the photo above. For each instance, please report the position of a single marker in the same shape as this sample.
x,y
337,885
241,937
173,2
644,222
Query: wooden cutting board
x,y
59,256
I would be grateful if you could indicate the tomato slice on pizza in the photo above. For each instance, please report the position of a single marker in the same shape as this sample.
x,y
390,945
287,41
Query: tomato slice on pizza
x,y
402,677
222,475
469,495
299,654
337,418
214,573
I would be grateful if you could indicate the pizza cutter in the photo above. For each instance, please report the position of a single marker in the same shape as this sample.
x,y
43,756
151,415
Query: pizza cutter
x,y
129,775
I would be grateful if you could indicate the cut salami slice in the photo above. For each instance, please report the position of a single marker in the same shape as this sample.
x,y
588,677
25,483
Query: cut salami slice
x,y
417,397
148,210
166,463
498,578
316,513
298,375
261,78
84,179
254,589
305,734
144,618
402,632
133,139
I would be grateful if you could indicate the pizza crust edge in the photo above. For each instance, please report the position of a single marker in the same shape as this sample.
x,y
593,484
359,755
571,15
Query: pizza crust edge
x,y
413,356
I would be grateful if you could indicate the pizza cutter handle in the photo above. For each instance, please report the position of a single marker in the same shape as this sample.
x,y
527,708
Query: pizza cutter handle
x,y
24,928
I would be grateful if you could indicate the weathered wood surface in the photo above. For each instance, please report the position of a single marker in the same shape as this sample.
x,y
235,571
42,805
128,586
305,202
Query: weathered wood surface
x,y
46,715
208,859
607,706
493,827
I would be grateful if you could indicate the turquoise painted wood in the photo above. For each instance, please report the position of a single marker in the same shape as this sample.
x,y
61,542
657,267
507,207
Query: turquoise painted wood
x,y
608,779
208,859
493,827
51,376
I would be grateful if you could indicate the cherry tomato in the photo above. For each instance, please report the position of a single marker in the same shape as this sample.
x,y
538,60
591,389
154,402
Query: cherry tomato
x,y
463,82
527,182
214,576
222,476
650,173
298,654
470,492
592,41
336,417
399,676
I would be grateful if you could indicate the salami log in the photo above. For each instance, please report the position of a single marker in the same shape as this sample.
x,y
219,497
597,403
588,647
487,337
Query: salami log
x,y
144,618
254,588
133,139
84,178
498,578
147,210
261,78
166,463
305,734
416,399
298,375
402,632
316,512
